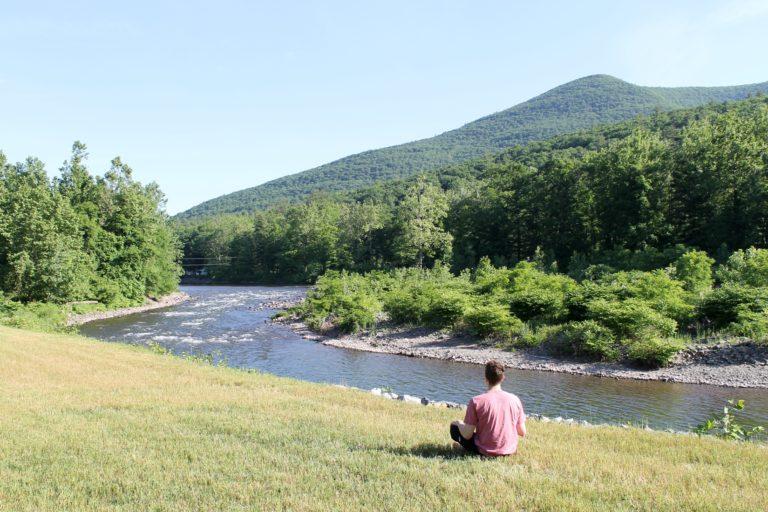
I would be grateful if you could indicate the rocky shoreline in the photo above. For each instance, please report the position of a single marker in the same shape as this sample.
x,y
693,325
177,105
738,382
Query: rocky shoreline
x,y
150,304
453,405
734,363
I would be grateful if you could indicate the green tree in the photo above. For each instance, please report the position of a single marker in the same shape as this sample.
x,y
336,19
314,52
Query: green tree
x,y
694,268
311,244
631,185
721,186
419,219
360,223
40,256
80,237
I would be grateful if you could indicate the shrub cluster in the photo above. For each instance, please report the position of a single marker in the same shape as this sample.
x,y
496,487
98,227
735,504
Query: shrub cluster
x,y
652,352
639,316
348,302
431,297
493,320
583,339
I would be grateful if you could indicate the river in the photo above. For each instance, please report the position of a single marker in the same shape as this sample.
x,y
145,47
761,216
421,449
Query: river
x,y
227,321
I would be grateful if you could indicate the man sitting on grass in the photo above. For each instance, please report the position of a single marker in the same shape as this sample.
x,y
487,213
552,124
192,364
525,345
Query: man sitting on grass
x,y
494,420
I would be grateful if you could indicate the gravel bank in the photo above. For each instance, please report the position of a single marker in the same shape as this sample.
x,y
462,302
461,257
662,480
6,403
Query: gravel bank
x,y
741,364
150,304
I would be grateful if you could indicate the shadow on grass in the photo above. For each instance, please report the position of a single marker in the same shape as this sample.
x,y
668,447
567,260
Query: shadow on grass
x,y
427,451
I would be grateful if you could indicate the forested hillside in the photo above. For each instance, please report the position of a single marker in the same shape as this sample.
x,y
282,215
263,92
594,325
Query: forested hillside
x,y
619,243
624,196
577,105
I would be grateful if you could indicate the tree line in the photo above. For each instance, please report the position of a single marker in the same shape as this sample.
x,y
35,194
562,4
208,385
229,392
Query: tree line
x,y
626,196
83,237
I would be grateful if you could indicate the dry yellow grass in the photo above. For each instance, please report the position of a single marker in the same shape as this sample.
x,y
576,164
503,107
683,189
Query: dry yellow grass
x,y
86,425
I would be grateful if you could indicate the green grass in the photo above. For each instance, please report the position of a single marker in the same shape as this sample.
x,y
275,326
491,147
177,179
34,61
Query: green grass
x,y
88,307
86,425
36,316
45,316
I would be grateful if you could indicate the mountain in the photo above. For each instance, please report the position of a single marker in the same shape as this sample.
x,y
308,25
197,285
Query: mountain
x,y
576,105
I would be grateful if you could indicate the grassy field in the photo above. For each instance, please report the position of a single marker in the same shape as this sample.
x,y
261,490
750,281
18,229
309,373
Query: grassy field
x,y
86,425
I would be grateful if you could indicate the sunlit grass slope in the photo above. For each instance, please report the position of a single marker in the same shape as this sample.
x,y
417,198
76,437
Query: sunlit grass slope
x,y
86,425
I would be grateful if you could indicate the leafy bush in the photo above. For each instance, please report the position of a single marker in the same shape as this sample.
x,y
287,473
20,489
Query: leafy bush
x,y
445,308
752,324
348,301
83,308
489,280
431,297
694,269
530,337
426,304
108,292
598,271
358,312
525,306
727,425
723,306
578,299
402,307
583,339
536,295
492,321
653,352
648,294
748,268
630,318
656,289
601,263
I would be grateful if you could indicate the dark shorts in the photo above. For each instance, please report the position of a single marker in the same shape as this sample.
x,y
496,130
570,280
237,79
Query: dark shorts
x,y
467,444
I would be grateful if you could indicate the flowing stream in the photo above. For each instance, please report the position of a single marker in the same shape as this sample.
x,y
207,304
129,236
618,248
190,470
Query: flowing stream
x,y
231,323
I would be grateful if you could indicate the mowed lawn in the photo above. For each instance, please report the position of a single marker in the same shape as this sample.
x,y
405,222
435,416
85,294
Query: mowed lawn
x,y
86,425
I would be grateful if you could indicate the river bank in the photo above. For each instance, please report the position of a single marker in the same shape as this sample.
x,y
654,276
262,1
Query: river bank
x,y
172,299
739,364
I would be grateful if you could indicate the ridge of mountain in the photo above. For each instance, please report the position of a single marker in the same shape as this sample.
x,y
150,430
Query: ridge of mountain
x,y
577,105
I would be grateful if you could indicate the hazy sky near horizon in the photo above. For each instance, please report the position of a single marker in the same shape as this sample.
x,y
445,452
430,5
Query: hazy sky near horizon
x,y
206,98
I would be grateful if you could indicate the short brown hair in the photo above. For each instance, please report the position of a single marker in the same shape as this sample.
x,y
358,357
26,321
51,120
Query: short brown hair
x,y
494,372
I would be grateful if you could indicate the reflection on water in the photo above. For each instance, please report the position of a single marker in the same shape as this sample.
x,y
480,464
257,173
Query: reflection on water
x,y
227,321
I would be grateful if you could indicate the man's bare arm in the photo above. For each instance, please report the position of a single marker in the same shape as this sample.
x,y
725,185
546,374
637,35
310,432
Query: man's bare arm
x,y
465,429
521,428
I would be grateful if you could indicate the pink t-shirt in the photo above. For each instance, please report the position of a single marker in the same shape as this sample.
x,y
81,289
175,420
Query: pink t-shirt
x,y
496,415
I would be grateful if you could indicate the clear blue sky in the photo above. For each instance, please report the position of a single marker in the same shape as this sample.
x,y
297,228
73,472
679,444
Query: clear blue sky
x,y
210,97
